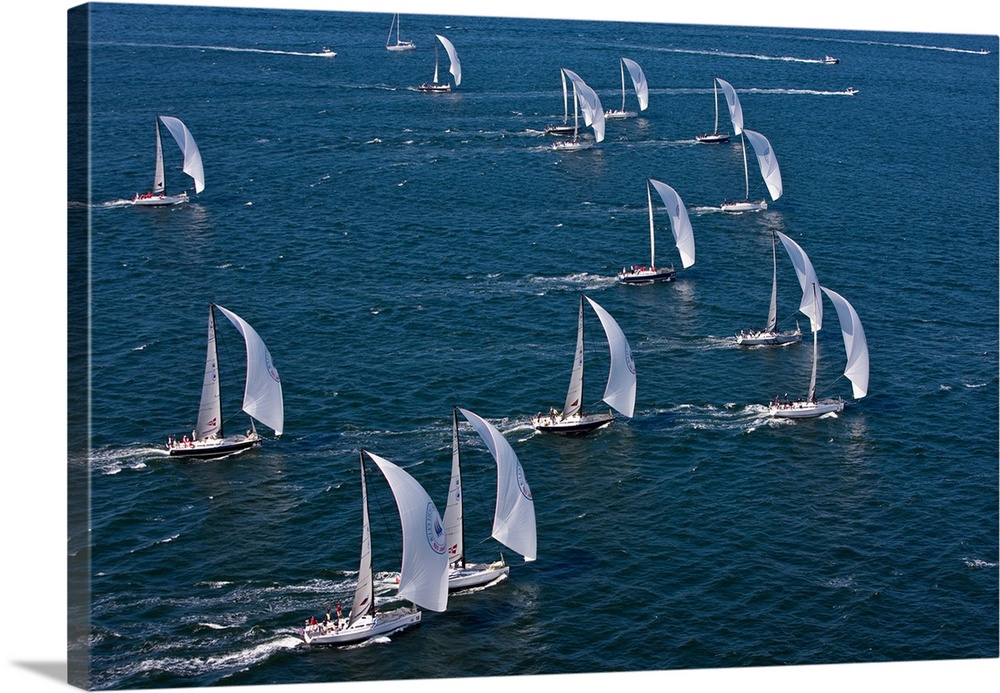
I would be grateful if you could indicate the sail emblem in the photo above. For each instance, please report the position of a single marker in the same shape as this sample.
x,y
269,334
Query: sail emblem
x,y
522,483
435,531
628,359
270,367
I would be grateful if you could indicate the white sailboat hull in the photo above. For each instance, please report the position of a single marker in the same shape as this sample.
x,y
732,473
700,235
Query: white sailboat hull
x,y
805,410
152,200
561,130
213,447
435,88
646,275
571,425
364,628
401,46
712,138
572,145
744,206
764,338
476,575
620,115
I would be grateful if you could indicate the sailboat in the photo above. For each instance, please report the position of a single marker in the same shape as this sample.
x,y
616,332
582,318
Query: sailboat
x,y
619,392
585,99
158,197
765,156
641,90
680,224
854,341
423,578
565,128
514,515
455,68
262,398
715,137
770,335
399,44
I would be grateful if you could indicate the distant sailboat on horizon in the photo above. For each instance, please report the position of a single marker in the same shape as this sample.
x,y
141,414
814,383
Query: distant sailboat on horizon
x,y
158,197
399,44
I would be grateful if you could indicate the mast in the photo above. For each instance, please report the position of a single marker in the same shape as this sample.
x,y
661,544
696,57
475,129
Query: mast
x,y
574,396
576,114
812,380
364,595
389,37
565,98
746,170
772,316
715,88
652,237
622,63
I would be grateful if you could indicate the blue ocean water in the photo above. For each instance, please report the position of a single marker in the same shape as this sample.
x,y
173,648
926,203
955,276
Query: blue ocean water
x,y
401,253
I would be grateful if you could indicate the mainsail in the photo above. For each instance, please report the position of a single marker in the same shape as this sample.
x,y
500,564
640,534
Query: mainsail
x,y
210,409
364,593
574,395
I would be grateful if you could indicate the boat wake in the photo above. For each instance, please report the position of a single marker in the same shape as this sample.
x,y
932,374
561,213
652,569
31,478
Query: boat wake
x,y
324,53
576,282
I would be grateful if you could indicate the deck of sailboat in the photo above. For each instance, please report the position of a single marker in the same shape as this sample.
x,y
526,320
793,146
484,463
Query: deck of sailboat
x,y
646,275
805,409
213,447
366,627
576,424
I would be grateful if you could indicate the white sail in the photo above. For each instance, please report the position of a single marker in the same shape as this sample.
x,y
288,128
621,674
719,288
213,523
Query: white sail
x,y
855,343
456,65
590,104
811,304
423,577
364,593
735,109
574,395
639,82
262,395
620,390
772,313
210,409
192,157
767,161
680,224
514,518
159,182
453,512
